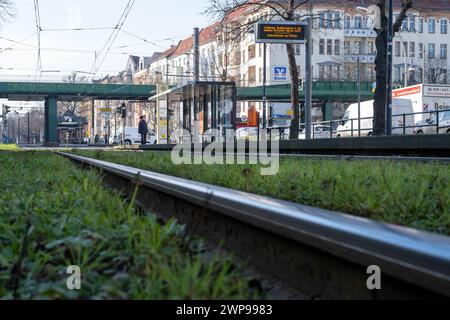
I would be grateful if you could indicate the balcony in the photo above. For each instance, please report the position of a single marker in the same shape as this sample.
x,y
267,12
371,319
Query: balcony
x,y
363,58
360,33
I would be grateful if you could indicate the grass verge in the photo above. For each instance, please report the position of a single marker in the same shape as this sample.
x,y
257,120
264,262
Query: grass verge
x,y
9,147
54,215
409,194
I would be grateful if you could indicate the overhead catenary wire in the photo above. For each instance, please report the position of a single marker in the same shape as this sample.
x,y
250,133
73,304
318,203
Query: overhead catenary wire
x,y
38,32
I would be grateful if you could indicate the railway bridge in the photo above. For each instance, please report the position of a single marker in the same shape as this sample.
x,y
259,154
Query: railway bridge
x,y
51,93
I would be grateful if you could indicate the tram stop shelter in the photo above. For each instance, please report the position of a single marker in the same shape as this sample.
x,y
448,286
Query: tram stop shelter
x,y
196,107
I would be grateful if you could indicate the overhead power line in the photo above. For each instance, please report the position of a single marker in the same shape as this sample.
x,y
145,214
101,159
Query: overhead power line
x,y
38,30
20,42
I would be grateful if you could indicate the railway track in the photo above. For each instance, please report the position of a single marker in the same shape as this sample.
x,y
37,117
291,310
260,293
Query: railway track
x,y
318,253
442,160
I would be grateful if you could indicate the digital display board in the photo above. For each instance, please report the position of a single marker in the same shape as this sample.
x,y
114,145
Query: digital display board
x,y
280,32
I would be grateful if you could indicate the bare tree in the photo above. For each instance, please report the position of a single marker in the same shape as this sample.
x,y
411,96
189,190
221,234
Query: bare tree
x,y
71,106
436,71
379,114
7,10
237,28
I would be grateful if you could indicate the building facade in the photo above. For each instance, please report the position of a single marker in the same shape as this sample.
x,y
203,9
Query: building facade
x,y
343,48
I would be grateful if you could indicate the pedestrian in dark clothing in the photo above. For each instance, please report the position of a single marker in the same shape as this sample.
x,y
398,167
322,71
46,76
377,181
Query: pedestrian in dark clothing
x,y
143,130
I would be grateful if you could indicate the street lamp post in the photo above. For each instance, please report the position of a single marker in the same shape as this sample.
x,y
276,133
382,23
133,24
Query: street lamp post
x,y
390,36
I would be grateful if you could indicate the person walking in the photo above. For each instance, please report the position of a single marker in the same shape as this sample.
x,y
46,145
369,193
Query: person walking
x,y
143,130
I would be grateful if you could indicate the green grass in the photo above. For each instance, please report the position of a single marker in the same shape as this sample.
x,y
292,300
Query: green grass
x,y
53,215
410,194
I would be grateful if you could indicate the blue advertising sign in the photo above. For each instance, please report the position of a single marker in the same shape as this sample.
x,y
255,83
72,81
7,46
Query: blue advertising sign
x,y
280,73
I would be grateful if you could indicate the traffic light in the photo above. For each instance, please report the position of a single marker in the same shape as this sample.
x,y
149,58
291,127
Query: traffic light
x,y
300,84
124,110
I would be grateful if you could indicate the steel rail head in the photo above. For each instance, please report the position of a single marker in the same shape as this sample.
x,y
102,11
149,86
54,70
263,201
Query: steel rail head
x,y
416,257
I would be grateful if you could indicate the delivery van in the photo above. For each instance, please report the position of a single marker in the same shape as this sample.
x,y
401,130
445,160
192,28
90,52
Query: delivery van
x,y
349,125
132,136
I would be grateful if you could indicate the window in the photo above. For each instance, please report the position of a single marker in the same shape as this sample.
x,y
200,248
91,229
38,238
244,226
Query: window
x,y
444,75
329,21
237,58
321,72
297,49
432,75
337,47
405,24
260,75
347,22
321,21
364,23
412,23
346,47
371,48
420,73
431,25
322,46
443,54
443,26
412,49
251,74
397,48
421,50
329,74
358,47
431,51
358,22
251,52
243,57
405,49
329,47
337,21
420,25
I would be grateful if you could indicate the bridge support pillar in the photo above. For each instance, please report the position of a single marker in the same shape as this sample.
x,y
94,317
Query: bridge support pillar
x,y
51,121
327,111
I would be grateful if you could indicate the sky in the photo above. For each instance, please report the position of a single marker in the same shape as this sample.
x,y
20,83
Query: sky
x,y
67,51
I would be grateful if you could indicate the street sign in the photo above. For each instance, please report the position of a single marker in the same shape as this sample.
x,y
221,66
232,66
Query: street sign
x,y
281,32
279,73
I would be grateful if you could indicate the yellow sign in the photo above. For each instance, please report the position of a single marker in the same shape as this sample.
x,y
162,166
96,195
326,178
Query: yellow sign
x,y
290,112
105,109
163,123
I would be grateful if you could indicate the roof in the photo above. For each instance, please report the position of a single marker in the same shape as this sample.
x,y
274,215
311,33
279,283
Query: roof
x,y
135,60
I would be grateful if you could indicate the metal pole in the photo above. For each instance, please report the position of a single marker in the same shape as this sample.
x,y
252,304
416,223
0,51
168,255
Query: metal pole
x,y
28,123
308,80
93,122
264,85
196,54
423,68
359,98
389,69
18,128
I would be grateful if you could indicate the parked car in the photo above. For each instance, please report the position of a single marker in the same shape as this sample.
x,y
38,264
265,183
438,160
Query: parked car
x,y
247,133
132,136
429,126
319,132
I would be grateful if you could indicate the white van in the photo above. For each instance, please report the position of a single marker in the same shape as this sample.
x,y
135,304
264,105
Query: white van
x,y
399,107
132,136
